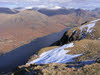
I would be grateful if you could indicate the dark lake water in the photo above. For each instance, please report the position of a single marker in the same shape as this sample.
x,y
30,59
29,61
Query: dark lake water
x,y
20,55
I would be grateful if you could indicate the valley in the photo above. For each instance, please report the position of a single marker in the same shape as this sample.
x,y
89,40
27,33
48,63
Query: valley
x,y
49,41
68,55
20,55
19,27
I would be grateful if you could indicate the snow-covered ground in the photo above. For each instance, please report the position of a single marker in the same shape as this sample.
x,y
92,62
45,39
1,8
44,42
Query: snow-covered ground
x,y
57,55
95,20
89,26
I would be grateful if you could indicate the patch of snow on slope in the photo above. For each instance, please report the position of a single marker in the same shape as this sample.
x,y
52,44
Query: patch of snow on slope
x,y
55,8
95,20
98,38
29,7
89,26
57,55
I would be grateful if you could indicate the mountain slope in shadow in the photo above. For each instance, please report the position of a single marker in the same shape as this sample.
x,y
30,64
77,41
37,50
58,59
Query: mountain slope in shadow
x,y
20,55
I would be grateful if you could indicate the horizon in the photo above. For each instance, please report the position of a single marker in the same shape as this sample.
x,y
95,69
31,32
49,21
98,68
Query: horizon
x,y
86,4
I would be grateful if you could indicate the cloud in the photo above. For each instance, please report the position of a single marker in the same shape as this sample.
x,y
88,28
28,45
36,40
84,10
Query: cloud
x,y
88,4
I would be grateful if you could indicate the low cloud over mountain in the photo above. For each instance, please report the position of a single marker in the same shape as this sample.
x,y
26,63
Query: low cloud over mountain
x,y
85,4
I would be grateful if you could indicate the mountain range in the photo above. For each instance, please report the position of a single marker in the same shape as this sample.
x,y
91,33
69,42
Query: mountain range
x,y
16,25
86,4
77,52
51,38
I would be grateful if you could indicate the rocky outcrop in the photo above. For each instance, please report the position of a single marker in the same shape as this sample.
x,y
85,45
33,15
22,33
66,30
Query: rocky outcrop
x,y
88,30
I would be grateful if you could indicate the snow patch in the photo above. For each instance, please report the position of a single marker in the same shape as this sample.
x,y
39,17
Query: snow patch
x,y
57,55
89,26
95,20
55,8
29,7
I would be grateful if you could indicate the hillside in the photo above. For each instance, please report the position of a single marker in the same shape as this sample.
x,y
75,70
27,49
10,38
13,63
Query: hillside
x,y
70,17
77,53
57,69
77,50
89,30
84,48
7,10
15,28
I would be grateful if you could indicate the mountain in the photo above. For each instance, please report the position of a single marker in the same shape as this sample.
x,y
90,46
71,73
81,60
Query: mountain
x,y
70,17
34,23
84,37
89,30
96,11
17,25
15,28
77,53
67,17
61,11
7,10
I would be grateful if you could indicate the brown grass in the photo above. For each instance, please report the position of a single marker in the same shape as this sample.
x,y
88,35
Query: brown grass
x,y
57,69
90,49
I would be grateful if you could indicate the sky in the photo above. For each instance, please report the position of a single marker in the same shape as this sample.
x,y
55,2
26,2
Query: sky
x,y
85,4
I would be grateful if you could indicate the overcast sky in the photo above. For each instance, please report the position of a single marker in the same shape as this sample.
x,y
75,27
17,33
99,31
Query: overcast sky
x,y
86,4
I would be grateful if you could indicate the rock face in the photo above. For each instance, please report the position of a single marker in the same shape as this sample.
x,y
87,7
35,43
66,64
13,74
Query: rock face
x,y
98,60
